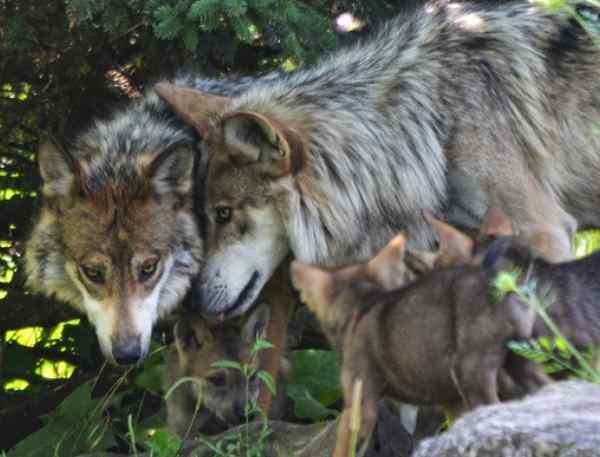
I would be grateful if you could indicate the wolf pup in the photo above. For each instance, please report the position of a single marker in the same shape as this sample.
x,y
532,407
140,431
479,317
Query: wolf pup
x,y
454,107
222,392
440,340
570,290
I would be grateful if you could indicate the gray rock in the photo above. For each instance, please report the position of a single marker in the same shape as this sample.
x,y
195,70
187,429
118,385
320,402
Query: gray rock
x,y
561,420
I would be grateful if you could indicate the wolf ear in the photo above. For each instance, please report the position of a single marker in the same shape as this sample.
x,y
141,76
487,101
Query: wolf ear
x,y
58,170
387,268
256,139
456,248
421,262
256,324
190,335
496,222
316,287
193,106
172,170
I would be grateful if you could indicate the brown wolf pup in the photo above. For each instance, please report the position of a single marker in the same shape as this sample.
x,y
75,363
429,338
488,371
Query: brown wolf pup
x,y
571,290
440,340
222,392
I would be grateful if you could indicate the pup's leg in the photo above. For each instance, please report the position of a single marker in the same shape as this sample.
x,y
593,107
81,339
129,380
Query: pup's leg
x,y
478,379
526,373
278,293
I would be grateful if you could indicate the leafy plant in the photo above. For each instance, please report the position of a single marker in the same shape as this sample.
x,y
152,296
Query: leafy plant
x,y
557,353
75,427
240,444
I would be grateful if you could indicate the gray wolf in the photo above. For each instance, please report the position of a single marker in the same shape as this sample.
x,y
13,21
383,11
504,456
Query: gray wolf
x,y
454,109
222,393
441,340
117,233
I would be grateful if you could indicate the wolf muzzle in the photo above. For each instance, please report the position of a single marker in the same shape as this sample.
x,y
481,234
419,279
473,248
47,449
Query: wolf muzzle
x,y
127,352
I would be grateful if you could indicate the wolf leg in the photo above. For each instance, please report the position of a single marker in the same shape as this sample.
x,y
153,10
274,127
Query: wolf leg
x,y
537,216
279,295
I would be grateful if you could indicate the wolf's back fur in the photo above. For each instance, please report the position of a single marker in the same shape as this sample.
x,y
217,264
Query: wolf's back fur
x,y
391,116
454,109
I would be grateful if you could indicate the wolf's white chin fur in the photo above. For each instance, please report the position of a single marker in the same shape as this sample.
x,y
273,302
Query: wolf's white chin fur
x,y
142,314
230,272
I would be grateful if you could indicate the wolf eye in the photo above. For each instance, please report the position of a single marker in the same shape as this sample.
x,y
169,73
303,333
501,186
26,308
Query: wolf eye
x,y
223,214
94,274
147,269
217,379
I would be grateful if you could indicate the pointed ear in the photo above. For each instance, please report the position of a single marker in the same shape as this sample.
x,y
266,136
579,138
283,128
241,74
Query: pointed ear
x,y
256,324
190,335
58,170
496,222
316,287
421,262
387,268
456,248
193,106
256,139
172,170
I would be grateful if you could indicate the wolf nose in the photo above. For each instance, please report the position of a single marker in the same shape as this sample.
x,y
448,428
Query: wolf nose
x,y
127,354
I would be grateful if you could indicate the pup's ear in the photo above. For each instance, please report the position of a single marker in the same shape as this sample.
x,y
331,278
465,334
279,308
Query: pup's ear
x,y
193,106
387,268
190,335
256,139
456,248
58,170
256,324
316,287
172,170
421,262
496,222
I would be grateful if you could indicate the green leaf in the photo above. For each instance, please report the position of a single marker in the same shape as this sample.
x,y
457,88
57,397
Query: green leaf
x,y
268,380
168,23
306,406
546,344
313,383
530,350
562,347
162,443
190,36
235,8
205,13
150,378
260,345
318,371
228,364
76,426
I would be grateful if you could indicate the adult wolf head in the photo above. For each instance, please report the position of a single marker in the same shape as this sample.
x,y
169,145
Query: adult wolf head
x,y
117,237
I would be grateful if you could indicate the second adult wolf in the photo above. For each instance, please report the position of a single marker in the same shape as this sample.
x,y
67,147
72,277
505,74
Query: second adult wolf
x,y
457,108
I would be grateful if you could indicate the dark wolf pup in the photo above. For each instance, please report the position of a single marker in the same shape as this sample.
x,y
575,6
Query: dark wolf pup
x,y
456,108
223,393
440,340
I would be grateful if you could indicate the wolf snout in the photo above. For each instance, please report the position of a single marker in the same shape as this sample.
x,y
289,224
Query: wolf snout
x,y
127,352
